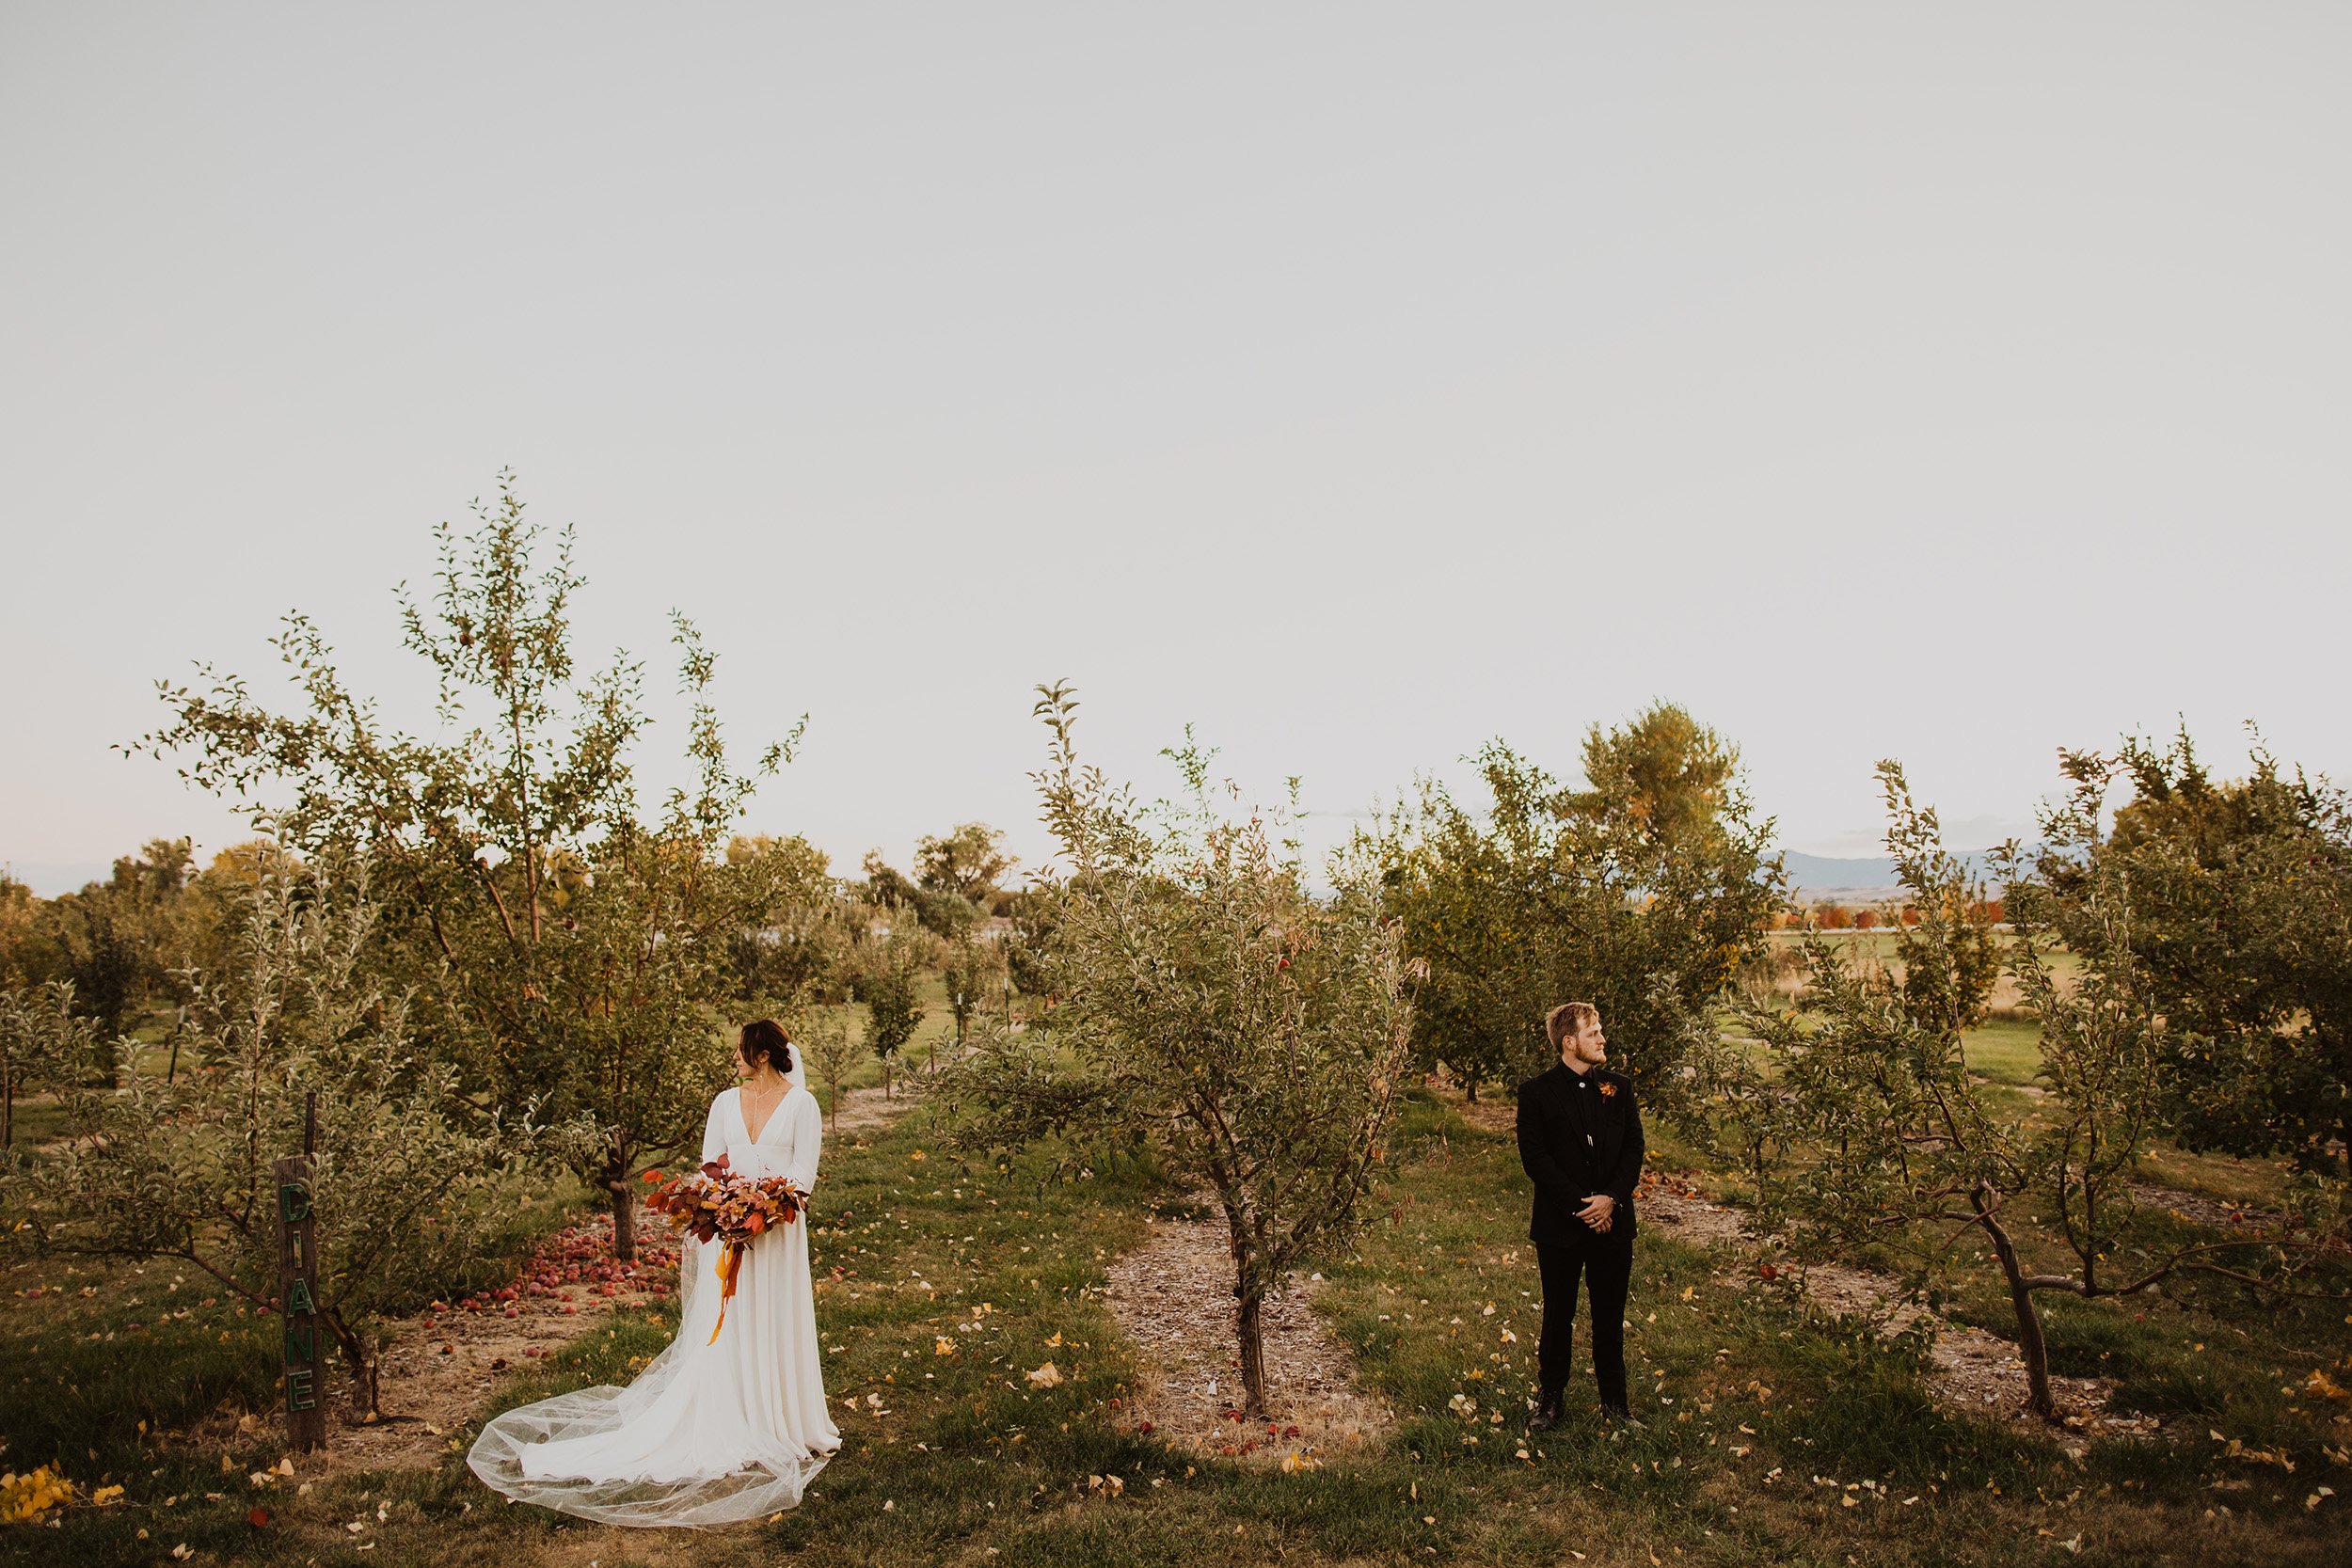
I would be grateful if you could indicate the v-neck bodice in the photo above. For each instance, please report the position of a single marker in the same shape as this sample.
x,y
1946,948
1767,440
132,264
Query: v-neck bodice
x,y
744,1121
788,1141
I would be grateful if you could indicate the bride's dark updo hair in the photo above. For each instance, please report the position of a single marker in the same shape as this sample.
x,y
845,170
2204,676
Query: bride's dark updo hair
x,y
764,1039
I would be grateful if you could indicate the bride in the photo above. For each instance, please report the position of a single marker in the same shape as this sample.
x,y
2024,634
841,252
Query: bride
x,y
714,1430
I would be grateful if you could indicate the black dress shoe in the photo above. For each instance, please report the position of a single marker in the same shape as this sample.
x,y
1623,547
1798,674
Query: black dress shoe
x,y
1616,1411
1547,1414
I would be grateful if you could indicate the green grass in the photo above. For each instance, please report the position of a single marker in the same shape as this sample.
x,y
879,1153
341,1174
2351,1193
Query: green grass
x,y
100,1360
972,1459
2006,1048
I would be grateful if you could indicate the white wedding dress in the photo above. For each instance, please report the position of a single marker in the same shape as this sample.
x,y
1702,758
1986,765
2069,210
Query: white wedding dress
x,y
712,1432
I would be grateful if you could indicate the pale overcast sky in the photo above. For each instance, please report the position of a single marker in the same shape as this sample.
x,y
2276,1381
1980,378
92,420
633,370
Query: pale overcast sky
x,y
1357,382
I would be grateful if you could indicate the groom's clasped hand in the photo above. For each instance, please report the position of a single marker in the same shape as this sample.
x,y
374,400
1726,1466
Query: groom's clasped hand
x,y
1599,1213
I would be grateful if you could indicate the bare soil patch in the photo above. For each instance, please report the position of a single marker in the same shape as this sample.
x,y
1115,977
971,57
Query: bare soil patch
x,y
2200,1210
1174,1297
864,1108
1675,1206
1979,1371
1488,1116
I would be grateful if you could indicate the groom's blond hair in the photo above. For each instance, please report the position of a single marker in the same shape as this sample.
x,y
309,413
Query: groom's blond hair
x,y
1569,1017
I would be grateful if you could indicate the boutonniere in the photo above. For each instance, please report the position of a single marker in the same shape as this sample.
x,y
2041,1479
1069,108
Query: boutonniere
x,y
1607,1089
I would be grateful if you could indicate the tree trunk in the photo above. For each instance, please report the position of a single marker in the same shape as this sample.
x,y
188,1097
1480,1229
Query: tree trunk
x,y
1249,1327
624,1219
1470,1090
360,1361
1248,1315
2031,1348
2088,1251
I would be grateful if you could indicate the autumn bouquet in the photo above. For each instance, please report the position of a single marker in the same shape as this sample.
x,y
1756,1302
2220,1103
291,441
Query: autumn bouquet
x,y
714,1204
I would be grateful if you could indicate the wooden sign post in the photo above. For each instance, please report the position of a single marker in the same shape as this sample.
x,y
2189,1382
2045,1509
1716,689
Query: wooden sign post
x,y
297,1303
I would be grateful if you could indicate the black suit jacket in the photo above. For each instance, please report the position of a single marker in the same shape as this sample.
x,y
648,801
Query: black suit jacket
x,y
1577,1140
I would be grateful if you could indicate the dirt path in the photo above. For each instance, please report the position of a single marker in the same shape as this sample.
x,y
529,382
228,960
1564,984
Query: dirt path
x,y
1174,1297
864,1108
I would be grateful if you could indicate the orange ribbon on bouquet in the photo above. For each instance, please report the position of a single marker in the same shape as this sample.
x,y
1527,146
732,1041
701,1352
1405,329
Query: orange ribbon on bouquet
x,y
730,1264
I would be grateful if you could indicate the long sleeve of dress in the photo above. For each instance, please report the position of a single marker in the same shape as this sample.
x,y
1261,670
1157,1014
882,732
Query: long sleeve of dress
x,y
808,1135
714,1131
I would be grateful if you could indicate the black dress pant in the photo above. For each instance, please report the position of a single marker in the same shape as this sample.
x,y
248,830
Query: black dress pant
x,y
1607,1267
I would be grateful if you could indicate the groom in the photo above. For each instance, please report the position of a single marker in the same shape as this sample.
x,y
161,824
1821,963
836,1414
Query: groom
x,y
1581,1140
